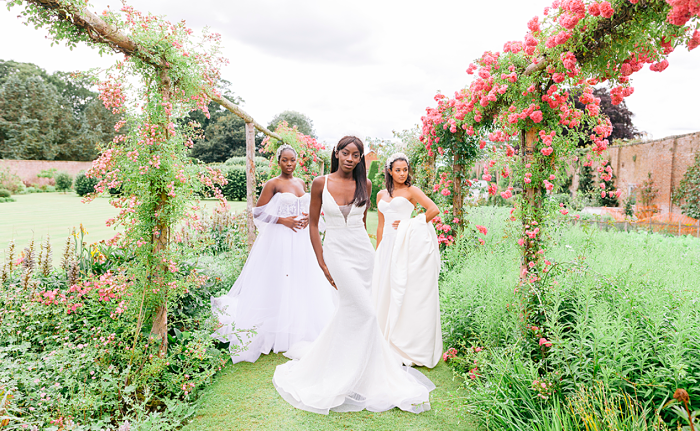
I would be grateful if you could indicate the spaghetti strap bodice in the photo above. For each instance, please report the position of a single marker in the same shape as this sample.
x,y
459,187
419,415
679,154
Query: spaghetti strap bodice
x,y
334,216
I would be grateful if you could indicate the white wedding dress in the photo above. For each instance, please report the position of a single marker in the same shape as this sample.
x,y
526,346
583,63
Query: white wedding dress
x,y
405,284
281,292
350,367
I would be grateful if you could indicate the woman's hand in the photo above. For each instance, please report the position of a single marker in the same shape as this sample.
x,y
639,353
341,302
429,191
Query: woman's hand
x,y
329,277
304,219
396,224
293,223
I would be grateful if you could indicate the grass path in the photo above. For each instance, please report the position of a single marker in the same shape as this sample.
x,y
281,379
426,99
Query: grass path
x,y
243,398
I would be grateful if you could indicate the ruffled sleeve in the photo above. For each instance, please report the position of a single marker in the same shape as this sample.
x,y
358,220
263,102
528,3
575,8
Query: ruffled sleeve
x,y
266,215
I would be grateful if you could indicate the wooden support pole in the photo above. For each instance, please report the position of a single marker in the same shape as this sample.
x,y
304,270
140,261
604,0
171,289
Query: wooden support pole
x,y
250,179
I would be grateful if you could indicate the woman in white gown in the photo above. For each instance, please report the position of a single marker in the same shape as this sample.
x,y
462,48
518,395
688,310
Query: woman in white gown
x,y
349,367
281,294
406,269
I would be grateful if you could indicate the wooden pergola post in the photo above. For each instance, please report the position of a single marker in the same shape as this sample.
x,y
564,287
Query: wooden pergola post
x,y
250,180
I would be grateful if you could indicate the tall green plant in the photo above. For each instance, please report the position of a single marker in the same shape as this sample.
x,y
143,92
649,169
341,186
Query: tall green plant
x,y
687,195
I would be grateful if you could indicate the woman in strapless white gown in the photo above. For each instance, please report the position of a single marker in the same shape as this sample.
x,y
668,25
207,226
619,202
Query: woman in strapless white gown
x,y
349,367
281,293
406,269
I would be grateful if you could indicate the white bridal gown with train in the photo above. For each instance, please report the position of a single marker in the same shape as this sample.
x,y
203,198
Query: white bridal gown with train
x,y
405,284
350,367
281,292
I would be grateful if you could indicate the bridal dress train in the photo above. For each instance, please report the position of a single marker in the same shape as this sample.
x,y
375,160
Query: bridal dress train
x,y
281,293
350,367
405,284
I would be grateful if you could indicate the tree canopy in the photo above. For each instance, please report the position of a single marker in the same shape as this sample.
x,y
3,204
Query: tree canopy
x,y
50,116
303,123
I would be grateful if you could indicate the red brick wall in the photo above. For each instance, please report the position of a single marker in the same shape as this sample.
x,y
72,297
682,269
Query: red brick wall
x,y
27,170
667,159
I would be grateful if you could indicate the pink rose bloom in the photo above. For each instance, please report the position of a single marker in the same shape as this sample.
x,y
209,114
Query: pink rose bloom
x,y
606,9
521,242
493,189
482,241
445,192
564,211
694,41
482,229
507,194
547,151
536,116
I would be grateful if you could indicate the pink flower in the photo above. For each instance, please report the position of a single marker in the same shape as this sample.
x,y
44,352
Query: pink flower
x,y
455,220
606,9
482,229
694,41
445,192
493,189
507,194
564,211
482,241
545,342
547,151
536,116
660,66
521,242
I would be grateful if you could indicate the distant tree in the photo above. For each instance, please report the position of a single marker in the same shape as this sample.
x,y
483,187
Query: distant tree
x,y
224,137
620,116
33,123
50,117
293,118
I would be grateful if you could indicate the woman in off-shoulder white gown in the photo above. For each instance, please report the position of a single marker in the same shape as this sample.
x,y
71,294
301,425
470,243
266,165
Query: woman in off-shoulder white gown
x,y
281,294
349,367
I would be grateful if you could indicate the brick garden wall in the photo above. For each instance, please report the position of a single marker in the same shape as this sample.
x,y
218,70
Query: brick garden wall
x,y
27,170
667,159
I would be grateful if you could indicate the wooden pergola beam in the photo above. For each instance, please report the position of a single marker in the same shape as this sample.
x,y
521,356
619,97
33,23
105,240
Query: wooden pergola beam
x,y
99,31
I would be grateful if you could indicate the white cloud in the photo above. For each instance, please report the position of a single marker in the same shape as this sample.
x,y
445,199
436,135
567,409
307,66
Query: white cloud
x,y
365,67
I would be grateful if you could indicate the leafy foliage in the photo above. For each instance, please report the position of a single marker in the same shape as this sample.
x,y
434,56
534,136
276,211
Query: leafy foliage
x,y
50,117
296,120
64,181
688,193
610,324
84,185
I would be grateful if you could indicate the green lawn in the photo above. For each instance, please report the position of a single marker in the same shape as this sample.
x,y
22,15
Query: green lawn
x,y
38,214
243,398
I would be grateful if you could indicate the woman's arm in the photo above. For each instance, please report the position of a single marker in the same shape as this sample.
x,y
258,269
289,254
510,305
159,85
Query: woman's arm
x,y
431,210
267,193
380,217
314,215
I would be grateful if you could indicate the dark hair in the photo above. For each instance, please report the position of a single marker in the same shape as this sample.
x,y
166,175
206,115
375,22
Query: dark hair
x,y
389,181
359,173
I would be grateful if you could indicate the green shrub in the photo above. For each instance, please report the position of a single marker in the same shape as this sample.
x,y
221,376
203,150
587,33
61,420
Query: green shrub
x,y
4,193
11,181
235,189
84,185
49,189
3,200
30,190
64,181
241,161
376,185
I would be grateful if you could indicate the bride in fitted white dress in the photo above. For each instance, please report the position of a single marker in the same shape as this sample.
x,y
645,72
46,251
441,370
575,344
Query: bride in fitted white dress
x,y
281,292
350,367
406,270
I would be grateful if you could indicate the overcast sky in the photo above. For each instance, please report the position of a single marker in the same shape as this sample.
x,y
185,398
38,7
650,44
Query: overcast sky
x,y
362,67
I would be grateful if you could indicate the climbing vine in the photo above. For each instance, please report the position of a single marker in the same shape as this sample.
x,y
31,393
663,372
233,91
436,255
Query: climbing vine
x,y
519,107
